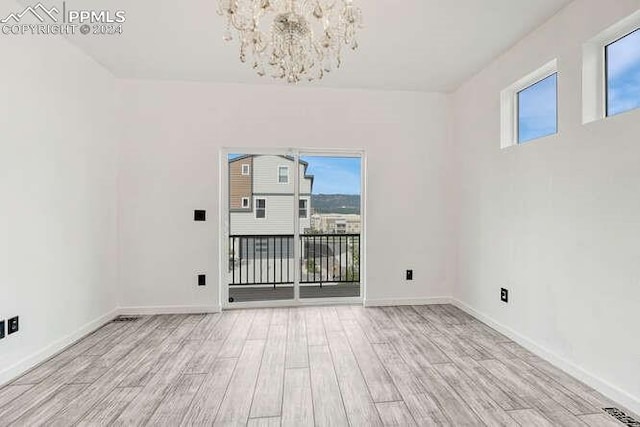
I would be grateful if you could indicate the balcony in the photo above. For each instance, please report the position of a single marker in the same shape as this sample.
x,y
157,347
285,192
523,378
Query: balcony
x,y
262,267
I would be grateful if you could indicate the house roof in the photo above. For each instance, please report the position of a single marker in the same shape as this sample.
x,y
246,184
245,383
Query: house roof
x,y
249,156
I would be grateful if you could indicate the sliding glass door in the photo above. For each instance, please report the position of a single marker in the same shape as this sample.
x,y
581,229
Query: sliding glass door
x,y
294,228
331,243
261,199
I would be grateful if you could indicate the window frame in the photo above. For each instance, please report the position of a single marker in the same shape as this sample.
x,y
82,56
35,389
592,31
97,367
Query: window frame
x,y
278,174
248,204
259,209
306,208
509,108
248,169
261,245
594,68
517,112
606,73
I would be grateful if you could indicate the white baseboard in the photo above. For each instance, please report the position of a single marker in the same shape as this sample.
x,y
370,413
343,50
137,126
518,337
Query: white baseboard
x,y
609,390
12,372
406,301
169,309
29,362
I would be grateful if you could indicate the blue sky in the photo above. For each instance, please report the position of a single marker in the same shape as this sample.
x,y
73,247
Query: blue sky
x,y
334,175
537,110
623,72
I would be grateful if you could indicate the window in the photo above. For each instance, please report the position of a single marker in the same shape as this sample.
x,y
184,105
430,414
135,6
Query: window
x,y
246,169
529,107
261,245
622,59
283,174
538,110
611,70
303,208
261,208
245,202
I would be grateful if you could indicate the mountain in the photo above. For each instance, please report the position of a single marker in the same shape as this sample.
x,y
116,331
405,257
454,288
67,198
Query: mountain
x,y
335,203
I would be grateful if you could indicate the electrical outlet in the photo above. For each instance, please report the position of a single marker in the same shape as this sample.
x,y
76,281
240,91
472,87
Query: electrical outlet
x,y
504,295
199,215
202,280
13,325
409,275
1,329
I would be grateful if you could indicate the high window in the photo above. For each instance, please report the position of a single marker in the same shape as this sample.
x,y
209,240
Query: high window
x,y
246,169
245,202
529,107
611,70
622,59
538,110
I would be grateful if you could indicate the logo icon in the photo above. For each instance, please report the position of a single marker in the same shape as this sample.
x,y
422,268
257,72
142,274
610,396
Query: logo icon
x,y
39,11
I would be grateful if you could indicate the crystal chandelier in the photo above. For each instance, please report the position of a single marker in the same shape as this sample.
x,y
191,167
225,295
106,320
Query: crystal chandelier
x,y
292,39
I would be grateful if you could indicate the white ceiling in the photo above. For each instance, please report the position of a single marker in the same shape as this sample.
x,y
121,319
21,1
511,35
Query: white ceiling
x,y
425,45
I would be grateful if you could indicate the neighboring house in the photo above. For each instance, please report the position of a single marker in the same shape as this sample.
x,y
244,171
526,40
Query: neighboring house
x,y
261,195
336,223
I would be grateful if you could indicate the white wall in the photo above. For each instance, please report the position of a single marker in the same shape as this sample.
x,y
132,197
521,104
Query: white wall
x,y
557,221
58,194
170,166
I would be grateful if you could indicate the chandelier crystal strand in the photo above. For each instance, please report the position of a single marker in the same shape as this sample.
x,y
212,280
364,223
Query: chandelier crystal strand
x,y
292,39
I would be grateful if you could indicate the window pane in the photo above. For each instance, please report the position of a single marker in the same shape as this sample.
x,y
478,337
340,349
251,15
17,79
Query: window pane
x,y
261,208
262,245
302,205
623,74
538,110
283,174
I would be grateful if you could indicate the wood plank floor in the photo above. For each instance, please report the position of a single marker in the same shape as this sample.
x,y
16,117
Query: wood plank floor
x,y
323,366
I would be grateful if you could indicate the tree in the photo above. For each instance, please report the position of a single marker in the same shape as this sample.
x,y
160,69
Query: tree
x,y
311,266
353,271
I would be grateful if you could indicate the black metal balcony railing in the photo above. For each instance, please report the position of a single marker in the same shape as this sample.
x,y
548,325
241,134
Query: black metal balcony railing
x,y
268,259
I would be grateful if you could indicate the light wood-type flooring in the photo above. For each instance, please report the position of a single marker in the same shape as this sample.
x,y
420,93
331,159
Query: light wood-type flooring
x,y
324,366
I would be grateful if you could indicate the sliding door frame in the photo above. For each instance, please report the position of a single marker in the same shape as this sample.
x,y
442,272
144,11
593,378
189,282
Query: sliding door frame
x,y
224,227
